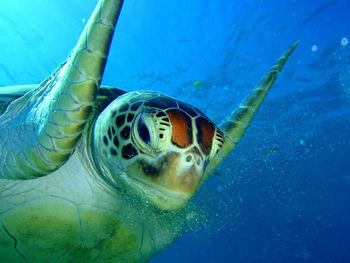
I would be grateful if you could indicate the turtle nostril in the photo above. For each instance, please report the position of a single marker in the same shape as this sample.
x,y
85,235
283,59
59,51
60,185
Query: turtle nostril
x,y
189,158
199,161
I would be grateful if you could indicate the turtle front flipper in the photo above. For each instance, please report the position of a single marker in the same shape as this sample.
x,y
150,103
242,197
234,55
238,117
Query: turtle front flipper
x,y
235,125
40,130
9,94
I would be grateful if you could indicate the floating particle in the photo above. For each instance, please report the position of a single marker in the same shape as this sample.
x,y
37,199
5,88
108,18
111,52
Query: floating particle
x,y
314,48
302,142
83,20
344,41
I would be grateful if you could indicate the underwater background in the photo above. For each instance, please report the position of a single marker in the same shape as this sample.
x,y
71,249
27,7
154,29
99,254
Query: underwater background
x,y
284,194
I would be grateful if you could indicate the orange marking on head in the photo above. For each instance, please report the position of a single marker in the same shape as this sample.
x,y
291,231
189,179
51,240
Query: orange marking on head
x,y
182,128
207,130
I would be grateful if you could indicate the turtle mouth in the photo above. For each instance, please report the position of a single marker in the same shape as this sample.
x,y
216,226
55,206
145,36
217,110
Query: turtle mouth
x,y
158,196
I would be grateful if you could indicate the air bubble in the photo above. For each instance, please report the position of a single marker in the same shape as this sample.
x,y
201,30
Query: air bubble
x,y
314,48
344,41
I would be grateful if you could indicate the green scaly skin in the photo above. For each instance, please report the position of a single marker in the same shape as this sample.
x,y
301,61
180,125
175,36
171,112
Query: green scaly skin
x,y
84,218
72,215
40,131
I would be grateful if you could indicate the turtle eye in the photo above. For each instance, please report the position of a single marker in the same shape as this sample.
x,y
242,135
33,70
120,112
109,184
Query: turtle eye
x,y
143,131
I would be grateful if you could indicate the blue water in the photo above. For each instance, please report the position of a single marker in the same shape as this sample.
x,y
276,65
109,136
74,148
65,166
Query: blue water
x,y
284,194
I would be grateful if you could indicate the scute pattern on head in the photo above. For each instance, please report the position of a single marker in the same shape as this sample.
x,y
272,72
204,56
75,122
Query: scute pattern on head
x,y
206,132
188,124
183,117
182,128
129,151
161,146
119,130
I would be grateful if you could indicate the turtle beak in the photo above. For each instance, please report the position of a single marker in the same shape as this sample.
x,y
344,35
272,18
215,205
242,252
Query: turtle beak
x,y
172,180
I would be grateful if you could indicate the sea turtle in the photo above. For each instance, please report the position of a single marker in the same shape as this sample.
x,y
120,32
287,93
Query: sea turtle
x,y
97,174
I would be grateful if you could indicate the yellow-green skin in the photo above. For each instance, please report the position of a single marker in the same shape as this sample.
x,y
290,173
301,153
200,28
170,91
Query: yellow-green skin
x,y
72,215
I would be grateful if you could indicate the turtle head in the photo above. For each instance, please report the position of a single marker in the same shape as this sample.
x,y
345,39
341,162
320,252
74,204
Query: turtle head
x,y
155,146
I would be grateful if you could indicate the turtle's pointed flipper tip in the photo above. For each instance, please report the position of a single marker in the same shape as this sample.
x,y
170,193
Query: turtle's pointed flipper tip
x,y
288,53
236,123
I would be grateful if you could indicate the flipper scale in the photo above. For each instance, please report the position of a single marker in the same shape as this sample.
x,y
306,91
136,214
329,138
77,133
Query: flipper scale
x,y
61,105
235,125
